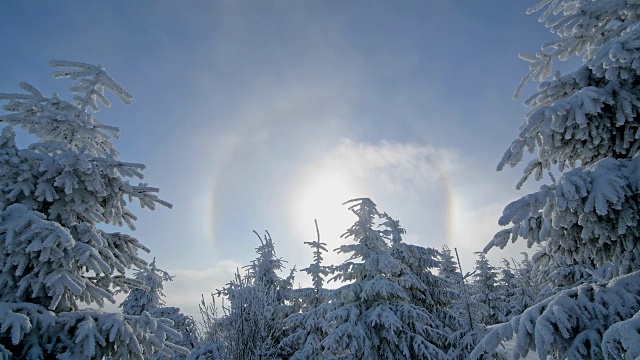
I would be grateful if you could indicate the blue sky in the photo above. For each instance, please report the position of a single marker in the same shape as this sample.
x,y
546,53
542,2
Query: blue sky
x,y
265,115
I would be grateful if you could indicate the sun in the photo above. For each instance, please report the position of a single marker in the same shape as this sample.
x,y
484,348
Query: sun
x,y
319,195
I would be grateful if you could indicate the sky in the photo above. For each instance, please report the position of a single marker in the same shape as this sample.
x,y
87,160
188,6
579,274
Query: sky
x,y
266,115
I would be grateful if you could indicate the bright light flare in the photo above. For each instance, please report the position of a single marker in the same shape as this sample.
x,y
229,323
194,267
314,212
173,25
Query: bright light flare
x,y
319,195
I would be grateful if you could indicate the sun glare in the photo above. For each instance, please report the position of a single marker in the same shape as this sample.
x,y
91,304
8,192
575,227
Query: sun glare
x,y
320,195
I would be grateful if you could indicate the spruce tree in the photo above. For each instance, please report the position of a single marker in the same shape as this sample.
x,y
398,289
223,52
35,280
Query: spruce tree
x,y
449,267
149,297
253,323
185,325
485,291
55,257
585,125
423,262
306,327
521,291
316,270
374,316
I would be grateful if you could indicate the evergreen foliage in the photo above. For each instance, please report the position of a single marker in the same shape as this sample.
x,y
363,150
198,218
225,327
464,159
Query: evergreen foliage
x,y
374,316
54,194
485,291
467,328
517,287
449,267
585,122
183,324
253,322
316,270
149,297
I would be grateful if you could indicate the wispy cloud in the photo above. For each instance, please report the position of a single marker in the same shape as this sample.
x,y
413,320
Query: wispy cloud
x,y
395,166
408,180
438,195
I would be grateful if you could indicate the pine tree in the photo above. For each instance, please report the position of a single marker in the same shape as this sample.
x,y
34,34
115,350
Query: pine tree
x,y
422,261
516,286
374,317
264,269
151,296
585,122
506,287
151,299
485,291
556,275
525,289
449,267
471,328
185,325
444,296
306,327
253,323
54,195
392,229
316,270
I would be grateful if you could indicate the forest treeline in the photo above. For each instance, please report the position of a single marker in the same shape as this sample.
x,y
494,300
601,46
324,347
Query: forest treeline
x,y
576,297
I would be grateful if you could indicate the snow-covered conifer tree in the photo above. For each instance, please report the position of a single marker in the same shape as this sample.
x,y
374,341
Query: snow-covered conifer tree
x,y
150,297
185,325
253,323
375,317
54,258
316,270
469,327
392,229
586,123
506,286
206,351
253,320
520,290
556,275
423,261
449,267
264,269
516,286
306,326
485,291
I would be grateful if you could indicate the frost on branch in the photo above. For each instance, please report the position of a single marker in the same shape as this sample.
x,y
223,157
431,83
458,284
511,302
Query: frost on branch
x,y
54,258
384,312
150,297
622,340
588,214
571,323
253,321
92,80
485,294
589,114
585,223
82,334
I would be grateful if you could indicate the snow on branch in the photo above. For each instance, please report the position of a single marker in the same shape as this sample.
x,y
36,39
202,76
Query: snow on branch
x,y
92,80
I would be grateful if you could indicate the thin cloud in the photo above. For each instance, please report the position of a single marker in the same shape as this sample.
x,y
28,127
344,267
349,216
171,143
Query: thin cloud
x,y
406,179
398,167
438,195
188,286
